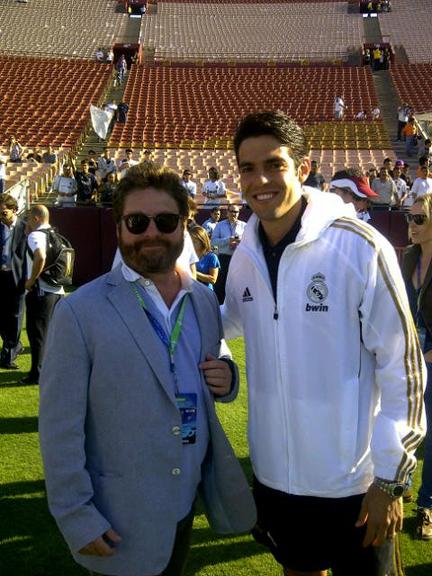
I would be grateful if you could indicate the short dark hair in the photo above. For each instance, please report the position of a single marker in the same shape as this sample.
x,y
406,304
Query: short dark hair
x,y
215,172
150,175
423,160
9,201
348,173
276,124
129,150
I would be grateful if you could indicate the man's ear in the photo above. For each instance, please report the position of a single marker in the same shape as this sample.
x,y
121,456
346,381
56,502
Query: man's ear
x,y
304,169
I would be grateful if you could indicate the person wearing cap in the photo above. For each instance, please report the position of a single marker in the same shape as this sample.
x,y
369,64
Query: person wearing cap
x,y
187,183
3,161
353,187
385,189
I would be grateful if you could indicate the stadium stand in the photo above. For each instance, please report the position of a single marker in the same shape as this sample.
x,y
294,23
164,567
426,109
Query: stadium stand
x,y
198,161
413,84
199,106
251,32
64,27
46,101
409,24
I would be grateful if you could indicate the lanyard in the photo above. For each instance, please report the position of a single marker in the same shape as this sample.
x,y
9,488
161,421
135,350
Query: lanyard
x,y
171,342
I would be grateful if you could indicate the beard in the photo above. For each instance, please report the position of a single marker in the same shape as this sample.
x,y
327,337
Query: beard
x,y
159,259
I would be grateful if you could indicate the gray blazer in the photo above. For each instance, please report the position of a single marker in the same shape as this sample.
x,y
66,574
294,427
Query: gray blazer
x,y
107,430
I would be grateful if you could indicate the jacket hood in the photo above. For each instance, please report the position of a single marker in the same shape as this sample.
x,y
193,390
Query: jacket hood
x,y
321,211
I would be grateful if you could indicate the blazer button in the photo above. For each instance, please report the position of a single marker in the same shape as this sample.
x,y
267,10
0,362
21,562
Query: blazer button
x,y
175,430
176,471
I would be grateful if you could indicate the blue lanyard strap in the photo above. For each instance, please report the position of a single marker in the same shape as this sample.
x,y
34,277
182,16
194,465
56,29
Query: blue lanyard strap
x,y
169,342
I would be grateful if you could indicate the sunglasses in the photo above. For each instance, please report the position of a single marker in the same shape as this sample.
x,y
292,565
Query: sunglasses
x,y
138,223
418,219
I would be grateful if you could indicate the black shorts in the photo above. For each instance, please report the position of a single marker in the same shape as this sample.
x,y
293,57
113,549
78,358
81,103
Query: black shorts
x,y
309,534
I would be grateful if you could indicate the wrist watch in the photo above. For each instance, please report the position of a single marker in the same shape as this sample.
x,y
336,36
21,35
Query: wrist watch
x,y
393,489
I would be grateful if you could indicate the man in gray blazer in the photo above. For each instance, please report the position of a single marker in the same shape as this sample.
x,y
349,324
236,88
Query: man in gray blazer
x,y
129,433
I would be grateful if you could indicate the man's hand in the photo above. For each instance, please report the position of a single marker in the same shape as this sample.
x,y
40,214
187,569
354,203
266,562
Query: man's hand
x,y
29,285
102,546
383,515
217,374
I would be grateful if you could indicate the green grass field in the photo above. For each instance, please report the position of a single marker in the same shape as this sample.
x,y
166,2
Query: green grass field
x,y
30,544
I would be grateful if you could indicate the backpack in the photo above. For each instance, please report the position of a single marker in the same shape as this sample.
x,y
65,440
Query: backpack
x,y
60,259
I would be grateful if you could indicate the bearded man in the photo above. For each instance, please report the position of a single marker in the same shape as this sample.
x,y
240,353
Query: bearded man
x,y
128,428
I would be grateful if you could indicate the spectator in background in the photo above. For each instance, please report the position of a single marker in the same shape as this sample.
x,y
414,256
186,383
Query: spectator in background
x,y
422,161
388,163
86,184
410,133
106,164
362,115
15,150
376,113
3,162
92,162
127,162
41,296
66,187
107,189
110,56
121,67
99,55
402,120
214,189
385,188
339,107
13,244
49,157
315,178
422,185
372,173
401,187
405,168
376,57
210,224
226,237
207,268
187,183
122,111
353,187
147,157
425,148
416,270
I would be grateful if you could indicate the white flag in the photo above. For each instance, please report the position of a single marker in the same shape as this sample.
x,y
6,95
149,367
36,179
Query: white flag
x,y
101,120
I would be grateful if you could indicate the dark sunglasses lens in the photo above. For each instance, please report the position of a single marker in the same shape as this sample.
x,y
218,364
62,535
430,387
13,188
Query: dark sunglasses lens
x,y
167,223
418,219
137,223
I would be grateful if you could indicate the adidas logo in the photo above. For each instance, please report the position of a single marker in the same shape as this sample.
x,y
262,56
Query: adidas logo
x,y
247,296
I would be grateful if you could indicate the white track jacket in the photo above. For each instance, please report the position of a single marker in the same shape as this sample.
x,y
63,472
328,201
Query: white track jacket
x,y
335,373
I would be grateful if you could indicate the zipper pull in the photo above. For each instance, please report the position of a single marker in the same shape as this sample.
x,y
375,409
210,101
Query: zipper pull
x,y
275,313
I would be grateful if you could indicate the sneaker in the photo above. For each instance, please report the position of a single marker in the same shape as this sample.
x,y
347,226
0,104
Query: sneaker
x,y
424,523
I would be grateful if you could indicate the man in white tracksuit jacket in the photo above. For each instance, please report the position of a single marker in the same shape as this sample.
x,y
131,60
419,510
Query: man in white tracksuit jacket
x,y
334,369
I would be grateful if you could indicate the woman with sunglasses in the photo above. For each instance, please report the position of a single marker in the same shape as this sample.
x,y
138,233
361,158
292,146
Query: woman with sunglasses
x,y
417,272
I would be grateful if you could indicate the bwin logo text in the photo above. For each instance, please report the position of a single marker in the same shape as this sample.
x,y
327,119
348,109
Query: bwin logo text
x,y
316,308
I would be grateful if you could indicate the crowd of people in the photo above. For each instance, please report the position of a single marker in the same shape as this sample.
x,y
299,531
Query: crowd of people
x,y
135,360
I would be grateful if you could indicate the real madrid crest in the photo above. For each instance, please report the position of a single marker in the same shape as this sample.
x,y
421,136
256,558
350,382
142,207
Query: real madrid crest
x,y
317,291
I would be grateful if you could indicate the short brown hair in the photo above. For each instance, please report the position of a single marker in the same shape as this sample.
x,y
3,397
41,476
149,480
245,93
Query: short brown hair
x,y
277,124
9,201
150,175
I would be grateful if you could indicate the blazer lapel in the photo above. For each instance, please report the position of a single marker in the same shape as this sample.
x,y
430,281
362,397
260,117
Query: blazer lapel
x,y
426,281
124,301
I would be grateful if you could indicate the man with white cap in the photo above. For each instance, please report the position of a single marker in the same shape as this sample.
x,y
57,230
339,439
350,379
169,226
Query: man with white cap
x,y
352,186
